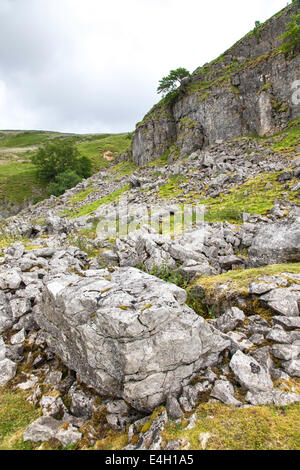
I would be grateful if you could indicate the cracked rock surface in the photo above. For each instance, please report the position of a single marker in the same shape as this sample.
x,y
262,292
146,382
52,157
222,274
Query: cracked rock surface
x,y
127,332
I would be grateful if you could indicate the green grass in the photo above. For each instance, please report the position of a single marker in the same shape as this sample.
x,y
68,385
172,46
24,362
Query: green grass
x,y
243,277
172,188
95,149
15,415
252,197
265,87
211,298
168,274
162,161
8,240
21,139
289,139
82,195
255,428
24,139
230,428
18,182
93,206
123,168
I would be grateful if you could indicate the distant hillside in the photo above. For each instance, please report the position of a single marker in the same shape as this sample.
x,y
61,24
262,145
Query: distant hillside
x,y
18,182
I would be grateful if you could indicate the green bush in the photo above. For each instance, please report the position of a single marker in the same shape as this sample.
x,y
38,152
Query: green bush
x,y
84,167
168,274
55,158
66,180
292,36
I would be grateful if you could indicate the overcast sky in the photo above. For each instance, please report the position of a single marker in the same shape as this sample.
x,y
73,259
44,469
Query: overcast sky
x,y
94,65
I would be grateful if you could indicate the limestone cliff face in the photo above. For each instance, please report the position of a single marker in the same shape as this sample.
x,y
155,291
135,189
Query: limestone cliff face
x,y
246,90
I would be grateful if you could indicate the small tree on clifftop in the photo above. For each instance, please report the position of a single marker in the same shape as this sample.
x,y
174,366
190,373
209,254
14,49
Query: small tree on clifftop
x,y
172,81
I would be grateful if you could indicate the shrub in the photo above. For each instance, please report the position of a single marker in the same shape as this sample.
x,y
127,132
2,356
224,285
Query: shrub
x,y
66,180
84,167
168,274
292,36
55,158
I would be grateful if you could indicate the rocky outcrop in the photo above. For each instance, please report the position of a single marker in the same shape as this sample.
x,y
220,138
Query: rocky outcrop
x,y
247,90
276,243
46,428
154,138
21,281
8,370
128,334
210,249
250,374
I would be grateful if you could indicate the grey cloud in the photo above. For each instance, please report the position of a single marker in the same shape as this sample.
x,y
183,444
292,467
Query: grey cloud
x,y
77,66
30,36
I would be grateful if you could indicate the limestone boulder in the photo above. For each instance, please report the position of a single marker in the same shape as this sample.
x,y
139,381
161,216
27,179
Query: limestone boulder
x,y
224,391
276,397
127,334
46,427
250,374
230,319
8,371
276,243
284,301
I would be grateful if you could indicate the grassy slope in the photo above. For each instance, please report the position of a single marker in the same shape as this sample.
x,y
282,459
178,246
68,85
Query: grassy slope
x,y
93,206
250,197
243,277
255,428
18,182
237,285
15,415
95,149
18,176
